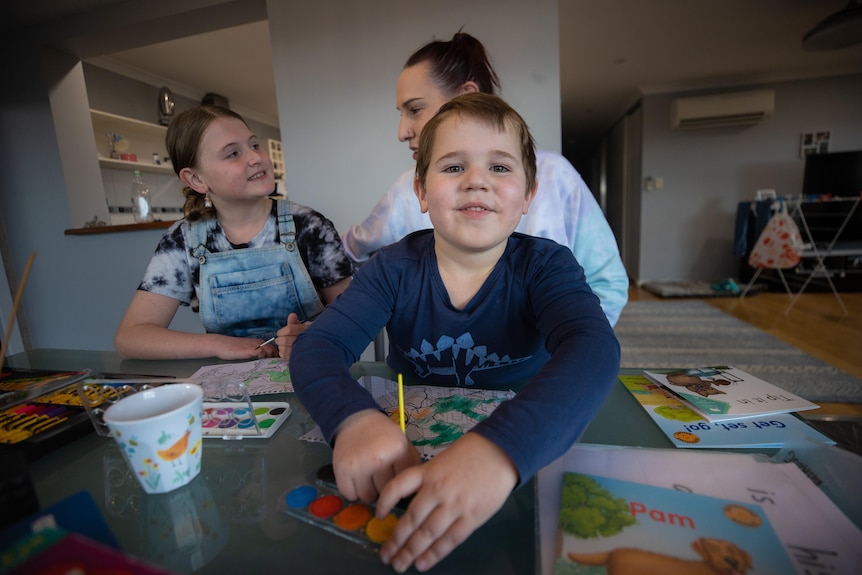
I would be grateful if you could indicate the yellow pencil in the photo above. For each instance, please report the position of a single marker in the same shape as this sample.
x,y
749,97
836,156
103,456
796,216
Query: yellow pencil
x,y
401,403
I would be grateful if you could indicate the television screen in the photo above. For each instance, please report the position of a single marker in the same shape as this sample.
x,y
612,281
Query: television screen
x,y
838,173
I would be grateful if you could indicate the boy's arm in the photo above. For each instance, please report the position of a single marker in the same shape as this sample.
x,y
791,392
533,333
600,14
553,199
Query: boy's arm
x,y
321,356
368,447
548,415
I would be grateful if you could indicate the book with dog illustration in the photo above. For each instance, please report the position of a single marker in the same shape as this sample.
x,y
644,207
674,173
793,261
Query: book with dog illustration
x,y
616,527
723,392
688,429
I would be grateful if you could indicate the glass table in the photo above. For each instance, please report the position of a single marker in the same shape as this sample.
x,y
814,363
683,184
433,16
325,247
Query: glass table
x,y
227,520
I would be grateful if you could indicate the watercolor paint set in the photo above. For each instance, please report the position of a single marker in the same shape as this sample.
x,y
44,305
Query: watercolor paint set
x,y
238,420
318,502
227,410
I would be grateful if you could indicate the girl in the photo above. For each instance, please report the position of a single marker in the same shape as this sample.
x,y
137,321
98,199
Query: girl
x,y
253,263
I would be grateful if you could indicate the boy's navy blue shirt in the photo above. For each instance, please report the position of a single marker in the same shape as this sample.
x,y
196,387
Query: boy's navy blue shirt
x,y
534,327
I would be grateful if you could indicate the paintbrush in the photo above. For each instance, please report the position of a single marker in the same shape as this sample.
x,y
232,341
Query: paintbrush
x,y
4,345
130,381
401,403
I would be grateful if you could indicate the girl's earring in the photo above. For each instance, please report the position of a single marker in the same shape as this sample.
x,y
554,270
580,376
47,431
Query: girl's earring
x,y
208,203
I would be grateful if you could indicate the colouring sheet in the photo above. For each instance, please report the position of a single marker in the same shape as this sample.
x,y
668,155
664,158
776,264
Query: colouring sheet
x,y
435,416
261,376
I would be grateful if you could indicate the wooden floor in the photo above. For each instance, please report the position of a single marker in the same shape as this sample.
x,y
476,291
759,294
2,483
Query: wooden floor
x,y
816,325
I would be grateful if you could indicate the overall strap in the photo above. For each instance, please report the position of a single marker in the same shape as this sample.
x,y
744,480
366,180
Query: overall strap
x,y
198,237
309,299
286,226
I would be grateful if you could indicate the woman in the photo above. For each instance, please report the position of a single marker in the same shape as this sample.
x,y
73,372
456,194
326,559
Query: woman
x,y
256,265
564,210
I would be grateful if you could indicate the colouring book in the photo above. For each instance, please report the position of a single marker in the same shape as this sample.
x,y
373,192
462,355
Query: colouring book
x,y
686,428
261,376
613,523
816,534
435,416
724,392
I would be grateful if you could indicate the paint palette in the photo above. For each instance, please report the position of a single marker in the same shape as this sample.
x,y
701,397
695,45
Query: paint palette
x,y
235,420
40,410
28,420
319,503
21,385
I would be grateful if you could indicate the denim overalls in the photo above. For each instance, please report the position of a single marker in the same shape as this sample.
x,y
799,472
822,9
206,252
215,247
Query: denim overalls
x,y
250,292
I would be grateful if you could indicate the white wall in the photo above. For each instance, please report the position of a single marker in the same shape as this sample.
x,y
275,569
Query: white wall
x,y
79,285
687,227
336,64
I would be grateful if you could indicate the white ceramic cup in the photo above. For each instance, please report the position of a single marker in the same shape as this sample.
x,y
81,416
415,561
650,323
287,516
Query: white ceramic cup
x,y
159,434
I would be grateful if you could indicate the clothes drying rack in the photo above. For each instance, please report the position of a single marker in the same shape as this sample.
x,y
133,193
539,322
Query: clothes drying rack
x,y
812,250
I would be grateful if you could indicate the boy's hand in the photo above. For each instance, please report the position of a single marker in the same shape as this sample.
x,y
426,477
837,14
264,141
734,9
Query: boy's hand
x,y
370,449
287,335
456,492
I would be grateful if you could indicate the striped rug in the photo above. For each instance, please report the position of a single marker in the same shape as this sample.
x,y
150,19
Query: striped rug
x,y
681,334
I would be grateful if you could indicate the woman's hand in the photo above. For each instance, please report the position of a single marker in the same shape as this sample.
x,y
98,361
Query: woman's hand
x,y
370,449
455,493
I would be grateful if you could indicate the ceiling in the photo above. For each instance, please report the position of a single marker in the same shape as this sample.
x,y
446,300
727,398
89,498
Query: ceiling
x,y
611,53
234,62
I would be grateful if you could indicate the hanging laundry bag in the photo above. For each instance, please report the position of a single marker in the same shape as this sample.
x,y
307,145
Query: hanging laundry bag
x,y
780,243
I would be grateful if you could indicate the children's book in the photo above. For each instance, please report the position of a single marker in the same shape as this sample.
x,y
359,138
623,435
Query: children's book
x,y
619,525
723,392
791,490
687,428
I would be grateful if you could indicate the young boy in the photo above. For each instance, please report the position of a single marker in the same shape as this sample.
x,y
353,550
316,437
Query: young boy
x,y
467,303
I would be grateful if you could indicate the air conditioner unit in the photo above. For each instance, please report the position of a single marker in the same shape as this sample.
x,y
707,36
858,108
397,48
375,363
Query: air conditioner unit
x,y
719,110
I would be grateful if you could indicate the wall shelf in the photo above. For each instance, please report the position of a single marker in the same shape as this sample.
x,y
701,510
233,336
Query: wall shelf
x,y
140,138
114,229
132,166
137,125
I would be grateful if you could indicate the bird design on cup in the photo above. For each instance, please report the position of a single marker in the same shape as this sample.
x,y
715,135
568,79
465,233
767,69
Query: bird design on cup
x,y
177,449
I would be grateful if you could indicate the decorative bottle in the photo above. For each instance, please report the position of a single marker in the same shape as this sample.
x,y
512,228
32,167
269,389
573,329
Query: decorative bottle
x,y
140,199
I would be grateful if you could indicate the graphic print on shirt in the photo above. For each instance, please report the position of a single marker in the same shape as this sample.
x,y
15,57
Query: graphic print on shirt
x,y
456,357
